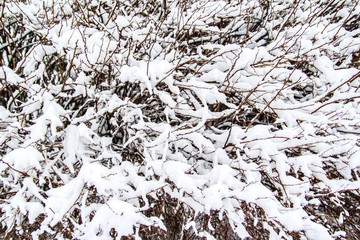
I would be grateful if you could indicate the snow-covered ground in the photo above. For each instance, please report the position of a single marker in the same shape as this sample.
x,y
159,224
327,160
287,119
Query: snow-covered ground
x,y
180,119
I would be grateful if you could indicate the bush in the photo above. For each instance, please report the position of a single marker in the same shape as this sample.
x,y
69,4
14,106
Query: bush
x,y
179,119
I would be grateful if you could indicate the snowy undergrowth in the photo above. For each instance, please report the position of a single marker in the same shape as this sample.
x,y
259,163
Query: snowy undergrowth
x,y
190,120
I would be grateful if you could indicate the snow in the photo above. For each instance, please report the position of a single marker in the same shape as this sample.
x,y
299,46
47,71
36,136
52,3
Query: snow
x,y
75,144
135,74
9,75
24,159
115,214
122,22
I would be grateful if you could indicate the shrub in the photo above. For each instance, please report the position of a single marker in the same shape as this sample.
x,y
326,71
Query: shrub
x,y
179,119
